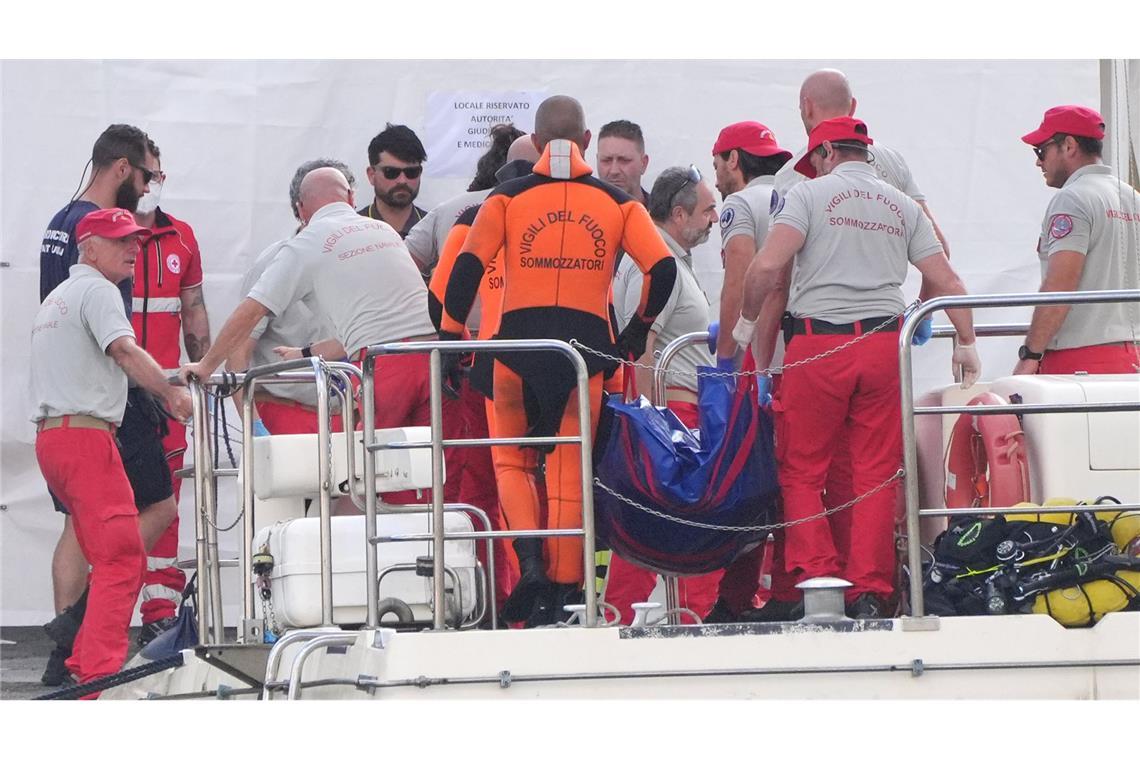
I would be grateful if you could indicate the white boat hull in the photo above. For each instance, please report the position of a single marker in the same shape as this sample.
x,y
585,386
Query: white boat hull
x,y
1014,657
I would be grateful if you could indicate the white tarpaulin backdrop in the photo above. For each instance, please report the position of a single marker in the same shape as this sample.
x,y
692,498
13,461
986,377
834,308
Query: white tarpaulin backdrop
x,y
232,133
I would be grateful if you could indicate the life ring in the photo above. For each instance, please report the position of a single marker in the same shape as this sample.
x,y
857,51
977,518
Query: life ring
x,y
986,460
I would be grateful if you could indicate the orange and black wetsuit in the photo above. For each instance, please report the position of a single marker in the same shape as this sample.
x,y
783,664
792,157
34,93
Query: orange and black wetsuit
x,y
558,230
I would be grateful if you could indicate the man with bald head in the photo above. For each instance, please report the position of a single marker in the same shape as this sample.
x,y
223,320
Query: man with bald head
x,y
357,273
557,232
826,94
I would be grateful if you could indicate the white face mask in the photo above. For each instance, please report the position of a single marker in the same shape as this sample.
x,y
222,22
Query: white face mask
x,y
149,202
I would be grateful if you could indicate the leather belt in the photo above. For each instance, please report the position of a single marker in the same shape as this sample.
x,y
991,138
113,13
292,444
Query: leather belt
x,y
806,326
74,421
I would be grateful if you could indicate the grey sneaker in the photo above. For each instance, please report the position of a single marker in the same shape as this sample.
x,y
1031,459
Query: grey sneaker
x,y
150,631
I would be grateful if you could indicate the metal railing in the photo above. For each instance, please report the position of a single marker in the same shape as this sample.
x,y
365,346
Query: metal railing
x,y
439,536
210,622
660,377
914,513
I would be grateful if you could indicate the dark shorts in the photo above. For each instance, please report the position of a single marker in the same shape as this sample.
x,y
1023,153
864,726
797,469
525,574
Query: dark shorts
x,y
140,446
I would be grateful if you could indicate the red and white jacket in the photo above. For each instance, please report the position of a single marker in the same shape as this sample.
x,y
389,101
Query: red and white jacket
x,y
169,264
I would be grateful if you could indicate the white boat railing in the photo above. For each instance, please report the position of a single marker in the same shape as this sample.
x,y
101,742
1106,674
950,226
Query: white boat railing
x,y
914,513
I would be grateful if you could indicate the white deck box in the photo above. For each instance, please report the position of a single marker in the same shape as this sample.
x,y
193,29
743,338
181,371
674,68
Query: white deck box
x,y
296,575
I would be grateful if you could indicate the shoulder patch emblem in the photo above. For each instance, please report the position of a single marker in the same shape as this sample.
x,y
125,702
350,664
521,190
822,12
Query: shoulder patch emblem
x,y
726,217
776,204
173,263
1061,226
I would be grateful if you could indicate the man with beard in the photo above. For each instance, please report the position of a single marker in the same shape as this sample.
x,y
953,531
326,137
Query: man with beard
x,y
123,167
395,163
169,309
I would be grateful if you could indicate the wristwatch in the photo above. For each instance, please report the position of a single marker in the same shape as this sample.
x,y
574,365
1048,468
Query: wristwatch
x,y
307,351
1024,353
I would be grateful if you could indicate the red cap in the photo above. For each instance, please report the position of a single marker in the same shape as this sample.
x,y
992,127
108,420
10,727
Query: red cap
x,y
1067,120
840,129
750,137
109,223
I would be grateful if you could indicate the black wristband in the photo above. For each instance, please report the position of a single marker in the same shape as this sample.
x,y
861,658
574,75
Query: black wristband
x,y
307,351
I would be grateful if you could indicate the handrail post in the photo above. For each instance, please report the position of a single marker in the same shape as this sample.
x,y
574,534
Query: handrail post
x,y
247,525
371,562
910,459
324,470
197,397
586,450
660,389
213,577
435,385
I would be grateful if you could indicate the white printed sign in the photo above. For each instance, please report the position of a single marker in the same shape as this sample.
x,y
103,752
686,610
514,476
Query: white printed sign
x,y
458,121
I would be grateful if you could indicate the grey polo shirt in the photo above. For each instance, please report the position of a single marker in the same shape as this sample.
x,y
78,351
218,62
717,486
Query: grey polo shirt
x,y
425,240
1097,215
354,271
686,311
859,233
749,212
298,325
71,372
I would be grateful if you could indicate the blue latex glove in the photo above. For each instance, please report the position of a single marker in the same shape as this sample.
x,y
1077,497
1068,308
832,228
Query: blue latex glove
x,y
714,333
923,332
259,429
764,390
726,365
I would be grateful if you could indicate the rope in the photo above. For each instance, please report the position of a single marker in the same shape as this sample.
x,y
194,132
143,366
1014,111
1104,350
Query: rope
x,y
702,372
899,475
116,679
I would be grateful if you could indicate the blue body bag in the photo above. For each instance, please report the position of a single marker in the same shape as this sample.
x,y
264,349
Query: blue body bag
x,y
723,475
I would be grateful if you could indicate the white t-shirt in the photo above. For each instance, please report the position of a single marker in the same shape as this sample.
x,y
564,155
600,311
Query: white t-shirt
x,y
355,271
1097,215
859,233
71,371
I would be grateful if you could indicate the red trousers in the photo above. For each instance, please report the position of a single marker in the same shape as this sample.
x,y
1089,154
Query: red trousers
x,y
83,468
163,583
627,583
290,418
402,394
1106,359
853,392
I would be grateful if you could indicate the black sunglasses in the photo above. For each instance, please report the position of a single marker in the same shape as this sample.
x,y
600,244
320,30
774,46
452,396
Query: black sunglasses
x,y
1039,150
392,172
692,177
148,175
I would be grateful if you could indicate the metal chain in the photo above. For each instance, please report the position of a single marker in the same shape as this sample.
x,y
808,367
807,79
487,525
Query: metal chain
x,y
769,371
899,475
230,527
268,613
